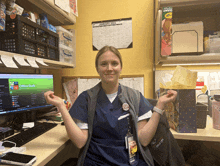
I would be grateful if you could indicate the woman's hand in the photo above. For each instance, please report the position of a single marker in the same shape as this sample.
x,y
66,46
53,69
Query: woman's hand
x,y
170,96
52,99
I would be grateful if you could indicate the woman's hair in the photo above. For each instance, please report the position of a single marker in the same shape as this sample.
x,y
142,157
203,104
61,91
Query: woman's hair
x,y
103,50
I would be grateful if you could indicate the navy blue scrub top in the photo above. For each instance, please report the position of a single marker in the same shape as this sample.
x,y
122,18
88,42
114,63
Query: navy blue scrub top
x,y
107,146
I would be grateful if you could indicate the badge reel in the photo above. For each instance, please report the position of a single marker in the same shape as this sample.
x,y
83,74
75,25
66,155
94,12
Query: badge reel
x,y
131,144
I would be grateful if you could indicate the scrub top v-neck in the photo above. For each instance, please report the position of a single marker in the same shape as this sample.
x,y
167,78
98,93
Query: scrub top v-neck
x,y
107,146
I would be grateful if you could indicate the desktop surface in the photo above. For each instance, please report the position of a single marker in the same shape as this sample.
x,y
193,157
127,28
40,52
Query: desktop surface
x,y
28,134
206,134
46,146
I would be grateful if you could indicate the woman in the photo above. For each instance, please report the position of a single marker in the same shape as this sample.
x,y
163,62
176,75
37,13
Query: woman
x,y
112,133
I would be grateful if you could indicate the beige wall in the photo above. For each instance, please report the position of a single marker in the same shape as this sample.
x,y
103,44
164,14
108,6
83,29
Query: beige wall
x,y
137,60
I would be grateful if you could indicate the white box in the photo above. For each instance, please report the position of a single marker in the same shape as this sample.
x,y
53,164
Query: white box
x,y
66,54
65,36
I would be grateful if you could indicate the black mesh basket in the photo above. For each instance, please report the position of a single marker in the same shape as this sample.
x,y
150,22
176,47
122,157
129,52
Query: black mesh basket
x,y
26,37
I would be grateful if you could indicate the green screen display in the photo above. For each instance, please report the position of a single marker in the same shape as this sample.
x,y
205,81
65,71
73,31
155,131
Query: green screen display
x,y
27,86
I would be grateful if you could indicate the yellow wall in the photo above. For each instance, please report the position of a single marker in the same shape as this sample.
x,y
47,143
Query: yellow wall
x,y
137,60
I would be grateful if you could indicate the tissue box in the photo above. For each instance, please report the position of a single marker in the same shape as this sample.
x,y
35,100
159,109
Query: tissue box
x,y
181,114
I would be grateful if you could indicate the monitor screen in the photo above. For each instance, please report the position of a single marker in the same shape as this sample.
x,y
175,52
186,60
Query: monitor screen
x,y
23,92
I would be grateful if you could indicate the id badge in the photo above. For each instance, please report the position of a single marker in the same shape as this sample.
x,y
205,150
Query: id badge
x,y
132,148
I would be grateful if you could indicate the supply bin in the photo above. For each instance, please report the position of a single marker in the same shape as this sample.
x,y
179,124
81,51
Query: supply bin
x,y
66,54
65,36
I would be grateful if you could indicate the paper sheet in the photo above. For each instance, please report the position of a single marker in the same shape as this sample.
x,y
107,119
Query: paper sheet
x,y
20,60
73,7
8,61
71,90
32,62
117,33
63,4
85,84
41,61
134,82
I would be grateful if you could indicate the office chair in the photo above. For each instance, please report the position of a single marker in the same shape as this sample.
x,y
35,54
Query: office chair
x,y
70,162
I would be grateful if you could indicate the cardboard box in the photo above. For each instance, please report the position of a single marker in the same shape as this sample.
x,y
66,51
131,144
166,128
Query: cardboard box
x,y
166,29
187,37
181,115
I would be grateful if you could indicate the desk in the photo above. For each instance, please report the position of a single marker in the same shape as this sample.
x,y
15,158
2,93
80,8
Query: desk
x,y
49,145
207,134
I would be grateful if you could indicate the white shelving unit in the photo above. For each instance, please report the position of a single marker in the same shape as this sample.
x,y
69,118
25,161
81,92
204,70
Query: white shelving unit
x,y
207,11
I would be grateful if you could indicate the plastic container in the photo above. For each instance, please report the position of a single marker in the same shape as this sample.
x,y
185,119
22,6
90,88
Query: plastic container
x,y
216,114
65,36
66,54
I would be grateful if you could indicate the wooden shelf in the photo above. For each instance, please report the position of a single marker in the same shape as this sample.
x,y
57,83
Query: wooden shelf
x,y
50,63
209,58
56,15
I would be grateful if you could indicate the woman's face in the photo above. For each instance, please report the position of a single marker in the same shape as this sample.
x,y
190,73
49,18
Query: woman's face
x,y
109,67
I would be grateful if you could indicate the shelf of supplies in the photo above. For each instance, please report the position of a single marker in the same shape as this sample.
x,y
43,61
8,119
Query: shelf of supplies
x,y
182,3
56,15
50,63
188,11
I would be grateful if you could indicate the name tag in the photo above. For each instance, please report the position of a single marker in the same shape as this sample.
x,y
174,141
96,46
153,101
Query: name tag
x,y
123,116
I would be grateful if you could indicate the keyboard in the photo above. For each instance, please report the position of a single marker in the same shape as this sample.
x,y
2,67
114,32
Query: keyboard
x,y
29,134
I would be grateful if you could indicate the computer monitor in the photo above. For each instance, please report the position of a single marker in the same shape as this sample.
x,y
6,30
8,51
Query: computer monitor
x,y
23,92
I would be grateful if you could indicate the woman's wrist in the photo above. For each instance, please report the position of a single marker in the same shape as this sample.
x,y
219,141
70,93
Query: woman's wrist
x,y
159,111
61,107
